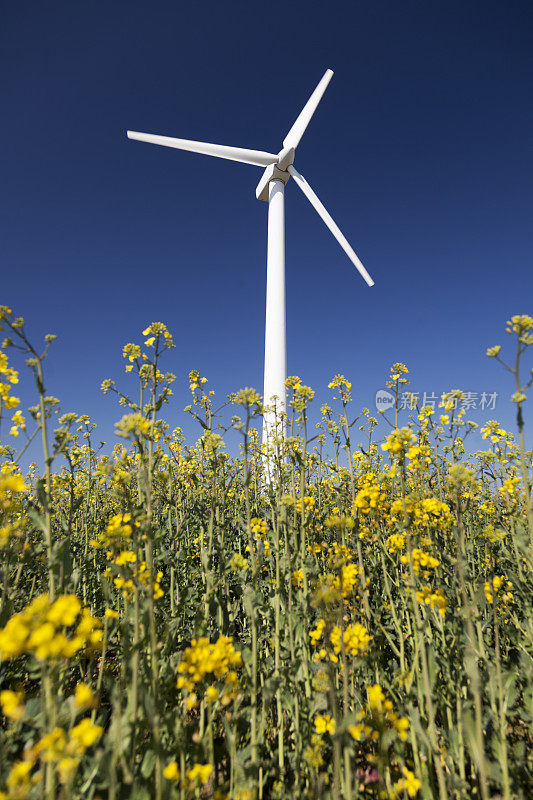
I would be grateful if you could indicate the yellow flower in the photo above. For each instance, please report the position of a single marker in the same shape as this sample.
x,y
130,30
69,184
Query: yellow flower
x,y
64,610
211,694
521,324
297,577
13,483
12,704
324,723
238,562
375,697
52,745
399,441
248,397
126,557
41,636
199,773
411,783
83,696
203,658
84,735
316,634
493,588
356,731
134,424
19,774
66,767
171,772
402,726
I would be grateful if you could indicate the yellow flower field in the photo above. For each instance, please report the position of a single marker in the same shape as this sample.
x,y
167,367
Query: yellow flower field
x,y
174,625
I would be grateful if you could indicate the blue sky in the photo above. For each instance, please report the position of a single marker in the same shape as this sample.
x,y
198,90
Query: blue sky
x,y
420,150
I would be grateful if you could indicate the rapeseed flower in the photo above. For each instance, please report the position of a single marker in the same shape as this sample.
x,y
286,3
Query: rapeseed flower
x,y
12,704
203,659
171,771
42,629
324,724
199,773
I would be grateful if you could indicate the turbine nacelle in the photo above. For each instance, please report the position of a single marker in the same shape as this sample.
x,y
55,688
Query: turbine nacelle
x,y
275,172
271,173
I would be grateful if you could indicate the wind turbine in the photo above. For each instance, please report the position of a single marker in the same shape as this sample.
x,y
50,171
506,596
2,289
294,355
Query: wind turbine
x,y
278,169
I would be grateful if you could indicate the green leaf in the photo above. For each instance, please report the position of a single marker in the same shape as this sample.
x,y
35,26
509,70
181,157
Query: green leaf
x,y
148,763
38,520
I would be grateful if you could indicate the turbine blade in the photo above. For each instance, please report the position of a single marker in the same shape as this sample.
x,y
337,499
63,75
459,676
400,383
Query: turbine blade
x,y
319,208
257,157
304,118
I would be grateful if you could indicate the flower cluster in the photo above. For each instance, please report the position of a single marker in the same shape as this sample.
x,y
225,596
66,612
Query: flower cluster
x,y
421,560
133,574
62,748
12,704
74,743
521,324
297,577
492,429
378,718
396,542
313,753
397,375
339,382
206,661
356,640
195,776
339,522
336,585
422,513
370,496
11,508
499,587
47,629
408,783
399,442
434,599
118,531
156,332
306,505
302,395
324,723
10,482
133,425
8,376
238,562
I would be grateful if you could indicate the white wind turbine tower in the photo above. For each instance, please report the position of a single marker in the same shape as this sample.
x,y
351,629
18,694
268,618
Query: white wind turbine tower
x,y
279,169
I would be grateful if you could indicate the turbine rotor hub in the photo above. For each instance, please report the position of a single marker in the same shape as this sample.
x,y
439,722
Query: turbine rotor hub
x,y
285,158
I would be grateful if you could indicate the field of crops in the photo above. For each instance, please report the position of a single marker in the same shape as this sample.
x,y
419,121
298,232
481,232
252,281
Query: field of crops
x,y
174,625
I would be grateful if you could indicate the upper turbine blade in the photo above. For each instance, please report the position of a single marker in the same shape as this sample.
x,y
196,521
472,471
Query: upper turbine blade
x,y
298,129
317,205
257,157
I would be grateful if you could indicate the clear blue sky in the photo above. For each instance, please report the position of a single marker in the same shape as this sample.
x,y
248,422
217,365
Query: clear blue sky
x,y
421,150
